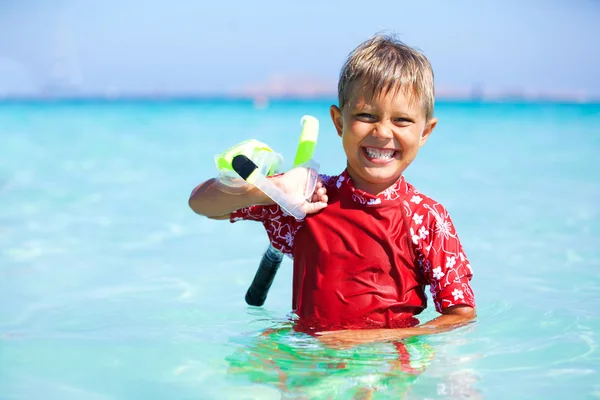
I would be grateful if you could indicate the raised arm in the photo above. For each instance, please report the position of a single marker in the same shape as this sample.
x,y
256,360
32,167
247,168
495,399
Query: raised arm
x,y
214,200
211,200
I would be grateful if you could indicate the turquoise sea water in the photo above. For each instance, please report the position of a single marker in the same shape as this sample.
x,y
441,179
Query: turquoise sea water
x,y
112,288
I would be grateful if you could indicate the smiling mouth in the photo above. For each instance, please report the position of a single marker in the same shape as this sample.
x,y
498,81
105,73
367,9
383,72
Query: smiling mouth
x,y
377,155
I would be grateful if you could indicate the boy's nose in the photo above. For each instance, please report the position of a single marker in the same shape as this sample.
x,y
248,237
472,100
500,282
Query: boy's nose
x,y
382,131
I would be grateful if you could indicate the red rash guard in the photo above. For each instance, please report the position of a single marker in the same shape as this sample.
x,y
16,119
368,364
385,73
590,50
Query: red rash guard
x,y
364,261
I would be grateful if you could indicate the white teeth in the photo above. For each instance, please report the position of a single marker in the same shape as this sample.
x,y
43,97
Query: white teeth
x,y
380,153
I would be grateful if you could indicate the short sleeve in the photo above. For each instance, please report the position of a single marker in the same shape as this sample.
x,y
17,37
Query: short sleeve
x,y
281,227
441,257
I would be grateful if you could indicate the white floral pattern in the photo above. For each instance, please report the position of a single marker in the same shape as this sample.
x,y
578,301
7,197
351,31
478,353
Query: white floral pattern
x,y
418,219
281,227
437,273
416,199
431,232
458,294
414,236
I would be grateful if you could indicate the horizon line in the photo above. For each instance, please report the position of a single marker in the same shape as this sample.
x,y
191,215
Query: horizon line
x,y
508,96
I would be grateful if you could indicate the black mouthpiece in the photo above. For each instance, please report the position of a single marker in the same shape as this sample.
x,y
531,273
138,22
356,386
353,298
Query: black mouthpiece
x,y
243,165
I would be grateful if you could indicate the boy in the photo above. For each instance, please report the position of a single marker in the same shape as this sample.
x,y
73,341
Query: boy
x,y
370,242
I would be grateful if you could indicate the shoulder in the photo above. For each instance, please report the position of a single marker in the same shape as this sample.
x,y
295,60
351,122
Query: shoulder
x,y
418,205
429,219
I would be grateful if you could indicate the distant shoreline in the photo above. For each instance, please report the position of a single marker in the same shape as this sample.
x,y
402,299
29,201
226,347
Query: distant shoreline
x,y
266,99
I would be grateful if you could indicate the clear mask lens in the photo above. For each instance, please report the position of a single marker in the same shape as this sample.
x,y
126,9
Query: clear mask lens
x,y
268,162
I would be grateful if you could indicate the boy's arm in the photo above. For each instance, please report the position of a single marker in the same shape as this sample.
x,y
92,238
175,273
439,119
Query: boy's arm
x,y
211,198
452,318
208,199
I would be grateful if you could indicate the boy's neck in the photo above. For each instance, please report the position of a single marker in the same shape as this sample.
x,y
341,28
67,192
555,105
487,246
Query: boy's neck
x,y
374,189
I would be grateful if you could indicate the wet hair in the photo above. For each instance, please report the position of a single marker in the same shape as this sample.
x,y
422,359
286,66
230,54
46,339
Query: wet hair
x,y
382,64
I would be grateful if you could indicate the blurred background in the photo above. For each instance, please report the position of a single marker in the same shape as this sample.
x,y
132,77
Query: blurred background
x,y
112,112
235,48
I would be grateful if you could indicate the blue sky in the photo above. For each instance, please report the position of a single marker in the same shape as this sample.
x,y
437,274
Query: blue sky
x,y
219,47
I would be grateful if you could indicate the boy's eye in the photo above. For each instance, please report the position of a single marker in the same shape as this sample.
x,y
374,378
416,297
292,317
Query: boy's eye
x,y
403,121
366,117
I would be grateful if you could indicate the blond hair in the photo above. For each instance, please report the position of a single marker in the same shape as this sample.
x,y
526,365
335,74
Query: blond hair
x,y
383,63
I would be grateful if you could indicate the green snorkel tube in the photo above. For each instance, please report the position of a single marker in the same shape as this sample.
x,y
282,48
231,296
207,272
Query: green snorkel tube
x,y
272,258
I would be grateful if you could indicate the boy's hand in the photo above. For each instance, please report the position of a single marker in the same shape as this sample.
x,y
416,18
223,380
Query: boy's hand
x,y
344,339
293,183
451,318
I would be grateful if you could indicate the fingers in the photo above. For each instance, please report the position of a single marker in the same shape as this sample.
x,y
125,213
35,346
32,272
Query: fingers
x,y
315,198
319,194
312,208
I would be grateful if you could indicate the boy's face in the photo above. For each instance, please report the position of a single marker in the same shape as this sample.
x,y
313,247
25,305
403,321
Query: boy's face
x,y
381,136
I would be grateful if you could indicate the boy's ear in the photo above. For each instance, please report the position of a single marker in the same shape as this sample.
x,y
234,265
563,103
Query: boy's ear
x,y
336,117
427,131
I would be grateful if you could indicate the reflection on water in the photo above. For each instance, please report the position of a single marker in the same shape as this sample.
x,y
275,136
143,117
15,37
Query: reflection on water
x,y
299,366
